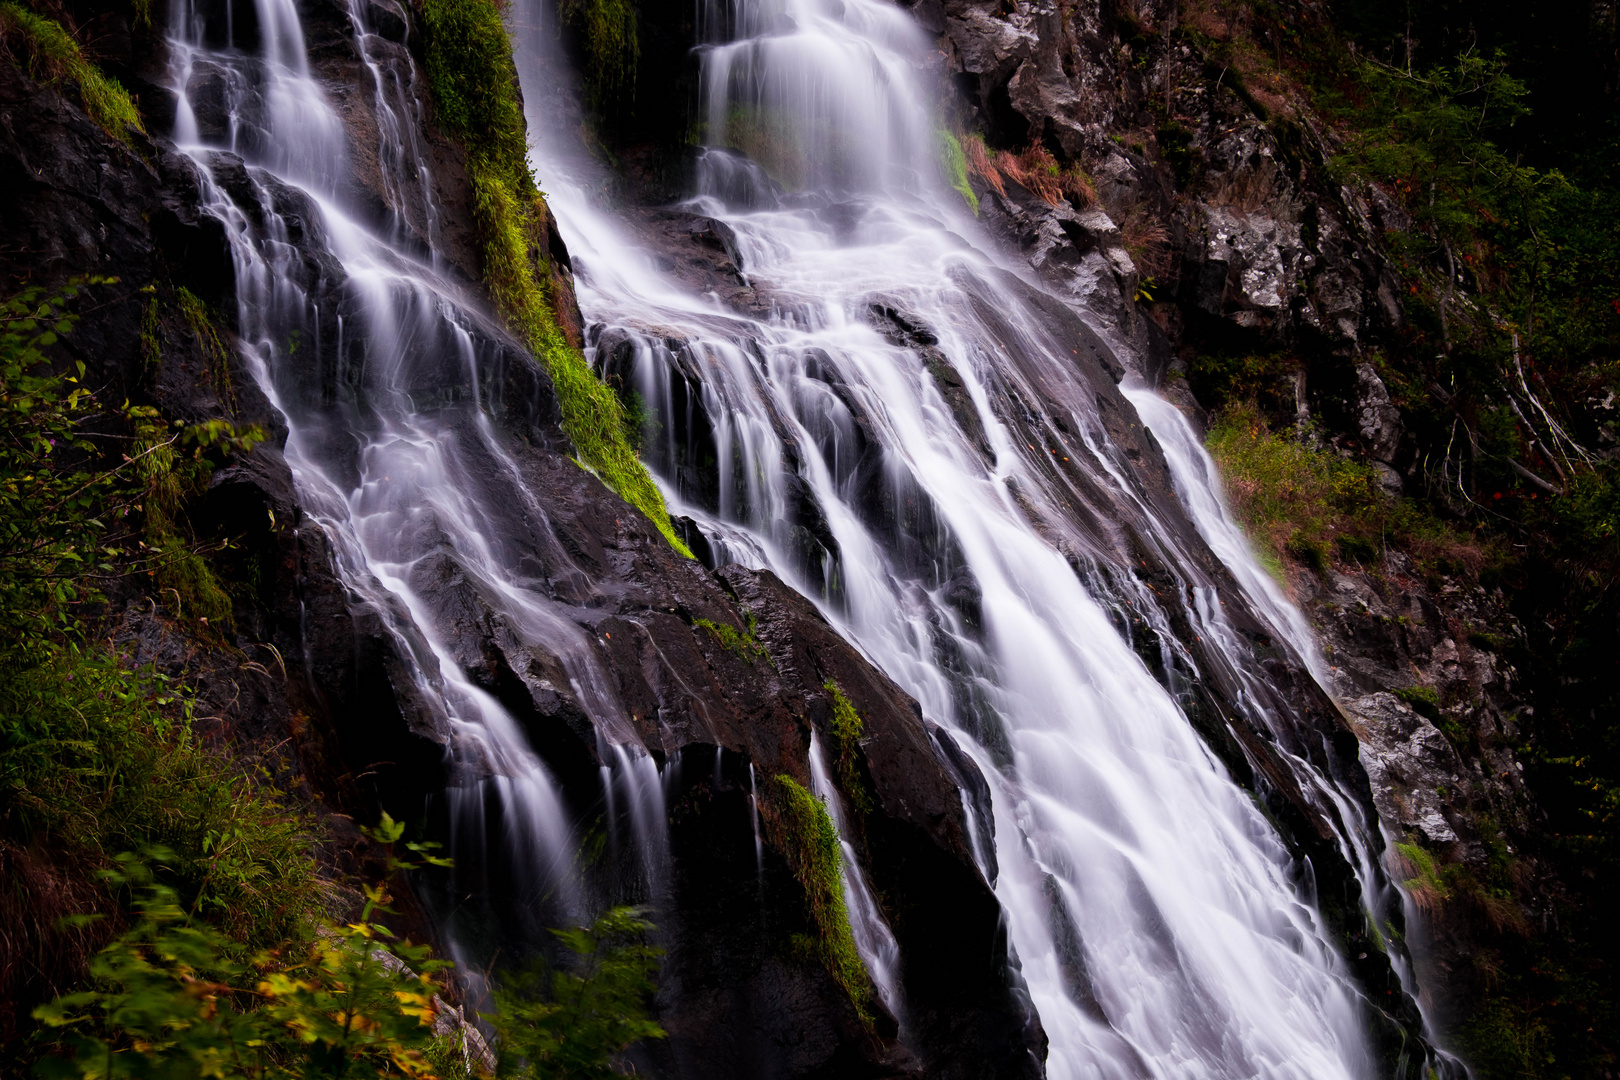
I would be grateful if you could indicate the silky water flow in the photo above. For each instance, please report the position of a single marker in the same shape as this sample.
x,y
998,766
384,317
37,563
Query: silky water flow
x,y
1114,827
1111,825
387,376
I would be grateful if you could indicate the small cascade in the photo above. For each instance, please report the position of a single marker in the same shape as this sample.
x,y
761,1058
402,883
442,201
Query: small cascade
x,y
388,380
873,937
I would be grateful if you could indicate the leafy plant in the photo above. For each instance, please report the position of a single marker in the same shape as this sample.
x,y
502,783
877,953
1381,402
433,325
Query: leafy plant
x,y
573,1022
172,997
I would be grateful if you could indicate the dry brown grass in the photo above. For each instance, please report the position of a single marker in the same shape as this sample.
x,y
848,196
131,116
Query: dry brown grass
x,y
1230,25
40,955
1033,168
1147,239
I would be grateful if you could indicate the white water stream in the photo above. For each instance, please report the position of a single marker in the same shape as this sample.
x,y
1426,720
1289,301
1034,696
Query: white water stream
x,y
1161,926
1200,954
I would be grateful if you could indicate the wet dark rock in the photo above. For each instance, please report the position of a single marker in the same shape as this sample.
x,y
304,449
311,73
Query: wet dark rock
x,y
388,18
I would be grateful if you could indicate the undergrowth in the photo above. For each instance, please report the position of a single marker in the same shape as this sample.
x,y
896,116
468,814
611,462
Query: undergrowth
x,y
806,835
55,57
98,760
611,46
1313,507
469,66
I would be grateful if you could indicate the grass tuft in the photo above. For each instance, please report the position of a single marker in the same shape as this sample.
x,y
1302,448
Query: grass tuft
x,y
55,57
954,160
740,643
1310,507
100,760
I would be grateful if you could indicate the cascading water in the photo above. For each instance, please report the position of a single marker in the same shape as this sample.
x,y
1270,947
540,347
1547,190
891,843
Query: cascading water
x,y
388,411
1159,921
875,443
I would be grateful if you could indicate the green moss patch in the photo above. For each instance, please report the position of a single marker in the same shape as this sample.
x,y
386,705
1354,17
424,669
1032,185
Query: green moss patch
x,y
847,728
469,66
806,835
740,643
54,56
954,160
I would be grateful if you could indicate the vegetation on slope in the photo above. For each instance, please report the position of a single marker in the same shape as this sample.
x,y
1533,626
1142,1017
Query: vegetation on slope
x,y
804,832
846,730
1308,505
1497,135
469,66
53,56
165,896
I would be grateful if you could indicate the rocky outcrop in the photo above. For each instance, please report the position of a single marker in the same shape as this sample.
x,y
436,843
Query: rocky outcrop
x,y
1212,193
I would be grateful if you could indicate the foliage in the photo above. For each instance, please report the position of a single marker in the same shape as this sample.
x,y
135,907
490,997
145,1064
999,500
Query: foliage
x,y
173,998
96,759
563,1024
805,834
954,161
1314,507
612,49
740,643
469,66
53,55
217,356
66,514
847,729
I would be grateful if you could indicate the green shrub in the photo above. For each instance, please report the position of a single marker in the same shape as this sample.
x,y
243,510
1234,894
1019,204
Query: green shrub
x,y
173,997
54,56
806,836
562,1024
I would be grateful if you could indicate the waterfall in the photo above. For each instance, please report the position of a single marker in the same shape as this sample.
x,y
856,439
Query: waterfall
x,y
387,378
902,427
969,525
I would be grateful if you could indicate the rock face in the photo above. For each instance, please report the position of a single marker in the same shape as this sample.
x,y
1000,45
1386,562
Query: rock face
x,y
1214,193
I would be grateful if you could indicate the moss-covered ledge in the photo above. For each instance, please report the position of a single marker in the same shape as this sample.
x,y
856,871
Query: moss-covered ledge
x,y
468,56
